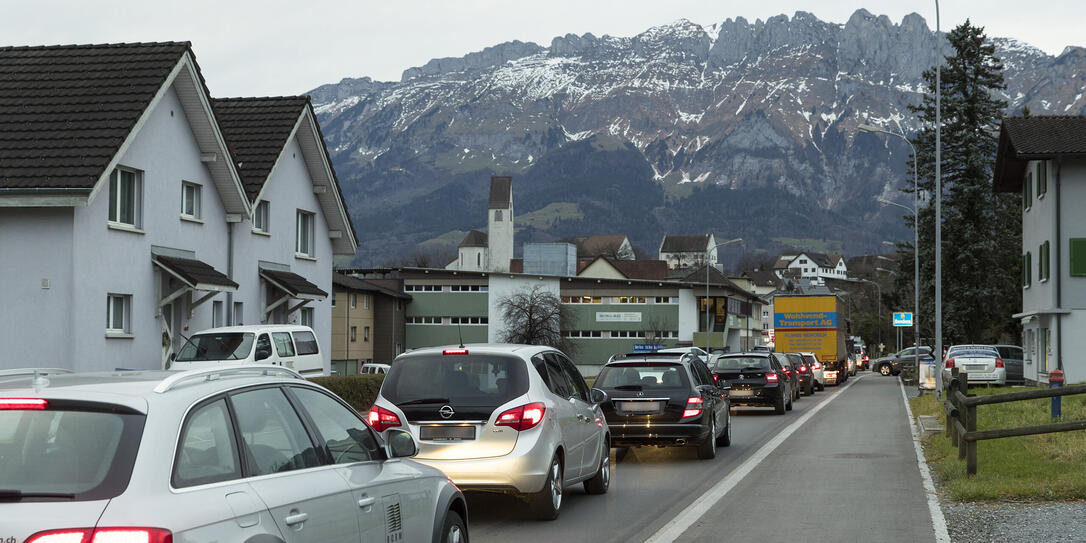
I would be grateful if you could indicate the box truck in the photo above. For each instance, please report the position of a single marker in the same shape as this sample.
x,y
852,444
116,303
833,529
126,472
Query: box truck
x,y
813,323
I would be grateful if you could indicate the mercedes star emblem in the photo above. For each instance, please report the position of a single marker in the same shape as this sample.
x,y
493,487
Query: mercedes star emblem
x,y
640,394
446,411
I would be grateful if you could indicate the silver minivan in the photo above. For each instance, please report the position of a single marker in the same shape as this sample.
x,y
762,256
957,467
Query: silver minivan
x,y
513,419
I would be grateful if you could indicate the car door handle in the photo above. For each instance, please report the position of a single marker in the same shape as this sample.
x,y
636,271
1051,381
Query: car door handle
x,y
296,518
366,502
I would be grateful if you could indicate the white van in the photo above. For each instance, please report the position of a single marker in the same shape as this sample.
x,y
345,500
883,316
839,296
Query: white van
x,y
373,368
286,345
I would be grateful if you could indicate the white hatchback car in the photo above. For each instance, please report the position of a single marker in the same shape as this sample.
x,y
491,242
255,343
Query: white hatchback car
x,y
816,369
249,453
513,419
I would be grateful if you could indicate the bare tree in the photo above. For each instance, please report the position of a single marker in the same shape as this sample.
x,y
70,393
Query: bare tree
x,y
534,316
655,329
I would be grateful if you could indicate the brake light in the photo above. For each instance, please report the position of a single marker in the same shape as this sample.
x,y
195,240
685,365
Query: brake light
x,y
716,377
803,369
523,417
382,419
771,377
103,535
865,358
454,351
23,403
693,407
816,366
949,363
999,362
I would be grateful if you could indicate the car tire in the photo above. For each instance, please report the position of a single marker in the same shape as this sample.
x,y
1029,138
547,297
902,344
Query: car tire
x,y
454,529
788,406
707,448
884,369
725,439
810,388
601,481
780,407
547,503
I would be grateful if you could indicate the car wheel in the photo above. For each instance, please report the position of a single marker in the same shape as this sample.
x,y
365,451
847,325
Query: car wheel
x,y
707,448
780,407
799,393
454,530
599,483
884,369
725,439
789,405
547,502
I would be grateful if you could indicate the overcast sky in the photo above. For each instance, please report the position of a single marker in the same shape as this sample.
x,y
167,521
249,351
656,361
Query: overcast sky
x,y
276,47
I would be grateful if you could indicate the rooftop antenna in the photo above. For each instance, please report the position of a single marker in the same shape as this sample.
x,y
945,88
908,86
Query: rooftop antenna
x,y
460,333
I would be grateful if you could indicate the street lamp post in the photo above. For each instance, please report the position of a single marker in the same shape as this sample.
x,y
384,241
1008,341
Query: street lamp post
x,y
938,210
915,210
707,251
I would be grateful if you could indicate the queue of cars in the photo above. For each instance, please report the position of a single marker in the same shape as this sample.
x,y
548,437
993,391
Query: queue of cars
x,y
987,364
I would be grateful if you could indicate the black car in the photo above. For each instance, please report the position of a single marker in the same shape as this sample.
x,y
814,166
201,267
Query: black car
x,y
803,372
664,401
891,365
756,379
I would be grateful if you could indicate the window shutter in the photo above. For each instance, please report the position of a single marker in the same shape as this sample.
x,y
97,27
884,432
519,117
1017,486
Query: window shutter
x,y
1027,191
1077,259
1048,260
1029,270
1042,178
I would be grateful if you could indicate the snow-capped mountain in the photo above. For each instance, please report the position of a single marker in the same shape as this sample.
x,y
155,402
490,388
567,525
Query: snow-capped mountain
x,y
743,128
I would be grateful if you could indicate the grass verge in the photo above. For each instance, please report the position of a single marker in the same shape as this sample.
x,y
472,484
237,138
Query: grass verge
x,y
1046,467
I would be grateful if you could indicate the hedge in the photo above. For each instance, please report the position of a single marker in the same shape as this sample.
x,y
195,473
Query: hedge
x,y
358,390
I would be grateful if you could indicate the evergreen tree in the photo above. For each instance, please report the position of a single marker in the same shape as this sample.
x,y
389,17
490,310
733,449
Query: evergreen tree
x,y
981,228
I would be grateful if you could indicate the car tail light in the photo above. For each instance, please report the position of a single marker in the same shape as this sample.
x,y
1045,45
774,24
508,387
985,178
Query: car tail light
x,y
455,351
865,358
523,417
999,362
803,369
816,366
693,407
125,534
382,419
23,403
771,377
716,377
949,363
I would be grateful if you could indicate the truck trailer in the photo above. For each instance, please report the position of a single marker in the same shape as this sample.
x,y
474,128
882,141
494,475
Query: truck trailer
x,y
813,323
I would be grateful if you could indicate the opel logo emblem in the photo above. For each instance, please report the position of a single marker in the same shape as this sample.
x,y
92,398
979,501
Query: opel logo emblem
x,y
446,412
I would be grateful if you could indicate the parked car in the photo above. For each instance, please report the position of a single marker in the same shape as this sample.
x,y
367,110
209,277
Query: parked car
x,y
1012,360
240,453
817,371
803,373
696,351
662,401
374,369
756,379
513,419
980,364
891,365
287,345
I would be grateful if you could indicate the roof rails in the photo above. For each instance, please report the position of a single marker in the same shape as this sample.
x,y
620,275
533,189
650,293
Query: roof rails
x,y
212,374
682,356
33,371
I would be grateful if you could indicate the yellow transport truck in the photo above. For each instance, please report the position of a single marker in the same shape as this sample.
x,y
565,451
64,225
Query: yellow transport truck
x,y
813,323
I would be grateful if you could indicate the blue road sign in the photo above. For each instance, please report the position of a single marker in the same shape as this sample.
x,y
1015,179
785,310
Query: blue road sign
x,y
903,319
646,347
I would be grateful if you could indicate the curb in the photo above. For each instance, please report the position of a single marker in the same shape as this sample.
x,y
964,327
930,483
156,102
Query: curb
x,y
938,521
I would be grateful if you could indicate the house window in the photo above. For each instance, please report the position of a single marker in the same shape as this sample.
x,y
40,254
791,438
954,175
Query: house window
x,y
354,334
126,197
497,215
354,301
1042,178
365,301
1027,191
118,311
260,217
307,316
478,259
803,261
1077,256
216,314
1042,262
304,245
365,333
190,200
238,307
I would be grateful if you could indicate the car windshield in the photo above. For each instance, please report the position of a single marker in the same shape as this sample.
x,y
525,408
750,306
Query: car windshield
x,y
643,376
67,454
740,363
220,346
476,380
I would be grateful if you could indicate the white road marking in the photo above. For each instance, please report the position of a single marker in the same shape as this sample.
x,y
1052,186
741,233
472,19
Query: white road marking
x,y
938,522
701,505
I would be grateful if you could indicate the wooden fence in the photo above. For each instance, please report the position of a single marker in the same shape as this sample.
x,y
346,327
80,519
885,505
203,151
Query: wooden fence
x,y
961,416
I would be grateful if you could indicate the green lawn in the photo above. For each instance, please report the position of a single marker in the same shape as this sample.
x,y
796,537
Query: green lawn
x,y
1028,468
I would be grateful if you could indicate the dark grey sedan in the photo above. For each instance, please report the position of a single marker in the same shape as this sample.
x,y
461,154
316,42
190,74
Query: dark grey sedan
x,y
1012,358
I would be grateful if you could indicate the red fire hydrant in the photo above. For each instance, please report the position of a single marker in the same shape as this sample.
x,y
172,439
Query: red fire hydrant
x,y
1055,380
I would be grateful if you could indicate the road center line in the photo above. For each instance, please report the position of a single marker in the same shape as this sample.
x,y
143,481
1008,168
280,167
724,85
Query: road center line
x,y
701,505
938,522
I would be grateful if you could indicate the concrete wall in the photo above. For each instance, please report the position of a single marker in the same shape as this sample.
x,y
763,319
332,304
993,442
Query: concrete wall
x,y
550,259
500,238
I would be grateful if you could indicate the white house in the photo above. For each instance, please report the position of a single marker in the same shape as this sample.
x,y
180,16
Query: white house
x,y
1044,159
127,219
811,265
688,251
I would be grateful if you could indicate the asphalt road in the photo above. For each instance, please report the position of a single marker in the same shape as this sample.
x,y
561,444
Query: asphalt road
x,y
848,474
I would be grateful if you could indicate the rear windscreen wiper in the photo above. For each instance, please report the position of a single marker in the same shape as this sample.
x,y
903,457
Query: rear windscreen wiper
x,y
425,400
17,495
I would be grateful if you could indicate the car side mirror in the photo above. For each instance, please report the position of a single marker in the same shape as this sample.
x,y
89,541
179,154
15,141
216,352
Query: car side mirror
x,y
597,396
263,353
173,356
400,444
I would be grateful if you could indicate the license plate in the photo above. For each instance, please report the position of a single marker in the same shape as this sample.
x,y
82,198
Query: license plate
x,y
740,393
982,375
446,433
639,407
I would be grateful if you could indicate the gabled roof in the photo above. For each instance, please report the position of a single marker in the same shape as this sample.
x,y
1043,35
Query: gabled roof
x,y
501,192
640,269
593,246
474,238
1022,139
821,259
354,283
685,244
764,278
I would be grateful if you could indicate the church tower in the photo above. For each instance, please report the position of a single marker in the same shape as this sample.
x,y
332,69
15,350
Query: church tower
x,y
500,223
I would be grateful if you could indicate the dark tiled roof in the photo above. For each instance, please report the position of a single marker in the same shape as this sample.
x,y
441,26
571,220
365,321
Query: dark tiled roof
x,y
353,283
764,278
195,272
1031,138
640,269
474,238
256,130
65,110
501,192
685,244
294,284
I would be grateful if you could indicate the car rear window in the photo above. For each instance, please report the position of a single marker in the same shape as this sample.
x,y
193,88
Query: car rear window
x,y
84,451
736,363
979,352
643,376
477,380
1013,353
306,342
810,359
